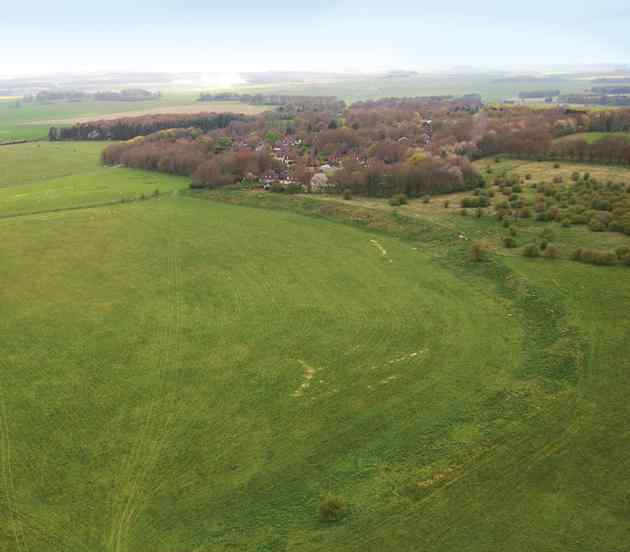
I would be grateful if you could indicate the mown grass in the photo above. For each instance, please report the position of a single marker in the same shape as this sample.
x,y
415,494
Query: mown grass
x,y
31,163
185,374
51,176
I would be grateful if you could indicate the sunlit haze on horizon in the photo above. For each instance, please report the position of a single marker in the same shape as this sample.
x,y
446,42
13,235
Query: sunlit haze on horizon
x,y
321,35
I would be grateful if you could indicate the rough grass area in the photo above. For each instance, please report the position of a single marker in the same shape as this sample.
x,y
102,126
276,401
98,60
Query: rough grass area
x,y
187,375
442,229
546,170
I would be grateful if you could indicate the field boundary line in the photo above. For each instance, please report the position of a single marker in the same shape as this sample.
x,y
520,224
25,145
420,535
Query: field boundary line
x,y
76,208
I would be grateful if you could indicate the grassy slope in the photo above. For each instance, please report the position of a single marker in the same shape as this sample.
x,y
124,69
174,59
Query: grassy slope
x,y
31,163
49,176
211,369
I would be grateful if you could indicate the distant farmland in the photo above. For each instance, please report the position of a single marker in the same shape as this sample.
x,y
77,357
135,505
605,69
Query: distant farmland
x,y
214,107
31,121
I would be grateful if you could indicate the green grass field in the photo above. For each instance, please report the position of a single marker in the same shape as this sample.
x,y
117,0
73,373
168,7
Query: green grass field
x,y
51,176
180,374
591,137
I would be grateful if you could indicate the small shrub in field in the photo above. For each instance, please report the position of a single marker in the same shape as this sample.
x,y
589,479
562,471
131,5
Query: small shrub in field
x,y
293,188
548,235
543,245
590,256
587,176
622,251
575,176
347,194
446,204
497,160
398,199
489,169
551,252
531,251
463,212
512,231
509,242
426,199
331,508
478,252
557,180
506,224
277,188
156,193
528,176
475,201
577,254
556,165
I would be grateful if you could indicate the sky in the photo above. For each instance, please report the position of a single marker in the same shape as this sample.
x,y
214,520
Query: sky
x,y
49,36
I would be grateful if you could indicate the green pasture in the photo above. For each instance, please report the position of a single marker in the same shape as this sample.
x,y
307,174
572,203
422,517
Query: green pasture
x,y
184,374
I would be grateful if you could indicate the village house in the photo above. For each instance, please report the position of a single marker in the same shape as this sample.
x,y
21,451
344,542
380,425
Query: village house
x,y
320,183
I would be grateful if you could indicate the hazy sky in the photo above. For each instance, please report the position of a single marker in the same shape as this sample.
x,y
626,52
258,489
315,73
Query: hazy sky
x,y
182,35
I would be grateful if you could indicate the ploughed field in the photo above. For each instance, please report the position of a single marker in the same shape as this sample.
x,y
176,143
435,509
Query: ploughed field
x,y
180,374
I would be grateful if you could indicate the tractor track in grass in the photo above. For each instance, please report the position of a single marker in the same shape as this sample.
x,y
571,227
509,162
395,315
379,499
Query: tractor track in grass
x,y
512,453
156,429
8,483
21,521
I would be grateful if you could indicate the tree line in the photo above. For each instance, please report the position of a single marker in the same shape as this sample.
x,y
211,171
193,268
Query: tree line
x,y
127,95
322,102
127,128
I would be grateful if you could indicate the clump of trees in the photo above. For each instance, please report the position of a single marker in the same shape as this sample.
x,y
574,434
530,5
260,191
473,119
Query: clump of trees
x,y
609,149
320,102
188,152
127,95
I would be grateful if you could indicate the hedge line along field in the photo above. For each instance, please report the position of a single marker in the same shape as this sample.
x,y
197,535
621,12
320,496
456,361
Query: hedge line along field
x,y
186,375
